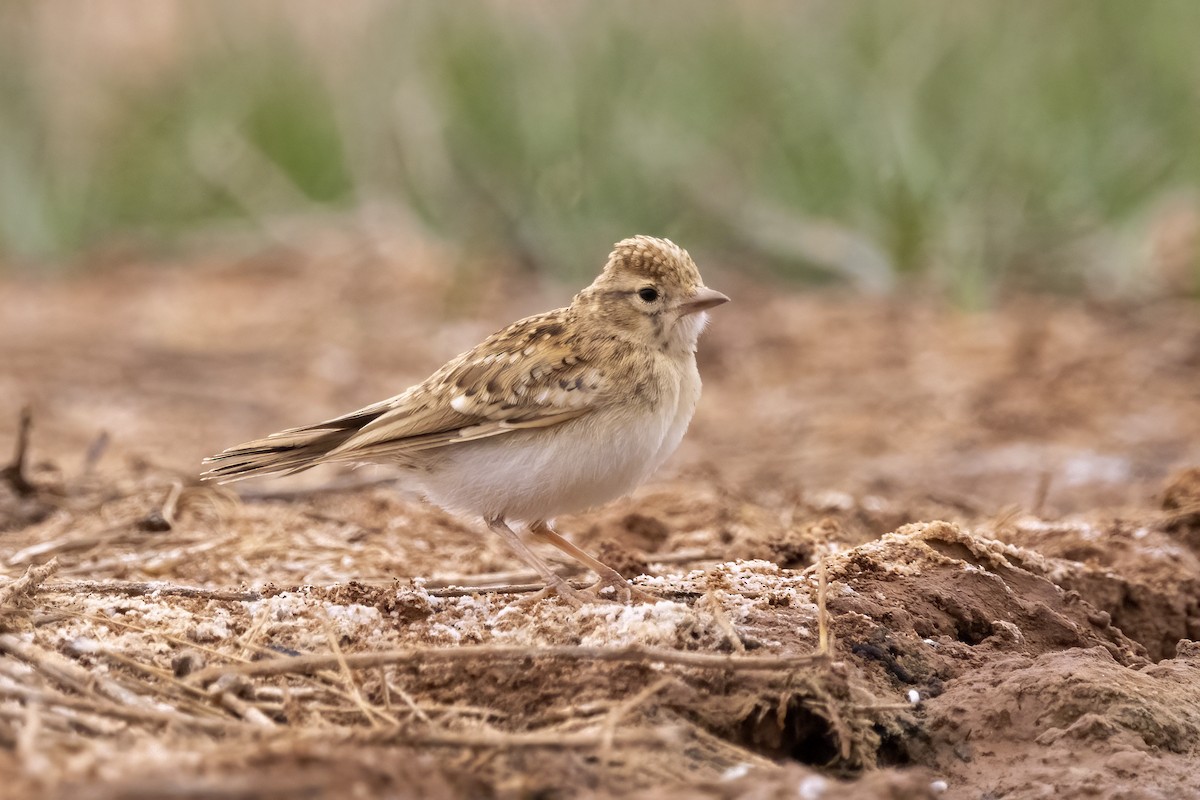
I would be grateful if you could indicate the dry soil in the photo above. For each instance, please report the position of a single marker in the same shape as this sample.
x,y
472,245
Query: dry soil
x,y
1001,501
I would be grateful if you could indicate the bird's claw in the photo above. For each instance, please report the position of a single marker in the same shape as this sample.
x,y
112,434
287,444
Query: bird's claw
x,y
573,597
623,592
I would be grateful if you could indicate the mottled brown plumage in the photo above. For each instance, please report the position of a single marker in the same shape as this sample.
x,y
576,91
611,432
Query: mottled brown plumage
x,y
499,431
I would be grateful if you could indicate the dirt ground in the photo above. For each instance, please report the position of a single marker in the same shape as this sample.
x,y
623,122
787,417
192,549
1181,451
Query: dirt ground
x,y
1001,501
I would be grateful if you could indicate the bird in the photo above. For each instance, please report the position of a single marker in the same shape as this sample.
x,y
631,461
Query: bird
x,y
557,413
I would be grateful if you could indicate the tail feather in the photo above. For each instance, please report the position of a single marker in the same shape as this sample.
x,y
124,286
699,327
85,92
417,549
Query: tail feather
x,y
286,452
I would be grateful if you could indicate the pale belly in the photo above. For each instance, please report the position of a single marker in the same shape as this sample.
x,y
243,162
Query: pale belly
x,y
540,474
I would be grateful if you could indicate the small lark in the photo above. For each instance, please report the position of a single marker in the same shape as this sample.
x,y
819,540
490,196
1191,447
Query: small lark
x,y
557,413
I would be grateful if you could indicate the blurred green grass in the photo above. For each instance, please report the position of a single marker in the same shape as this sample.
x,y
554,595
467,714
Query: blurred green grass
x,y
964,146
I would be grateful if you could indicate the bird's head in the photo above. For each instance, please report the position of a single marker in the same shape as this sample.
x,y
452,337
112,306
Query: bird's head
x,y
650,289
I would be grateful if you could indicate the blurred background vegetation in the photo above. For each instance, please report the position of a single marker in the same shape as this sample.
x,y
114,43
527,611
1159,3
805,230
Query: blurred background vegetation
x,y
966,147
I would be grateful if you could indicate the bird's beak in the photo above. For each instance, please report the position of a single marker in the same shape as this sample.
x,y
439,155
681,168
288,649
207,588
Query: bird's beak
x,y
702,300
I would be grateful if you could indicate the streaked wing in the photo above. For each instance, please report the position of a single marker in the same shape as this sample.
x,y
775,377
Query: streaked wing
x,y
529,375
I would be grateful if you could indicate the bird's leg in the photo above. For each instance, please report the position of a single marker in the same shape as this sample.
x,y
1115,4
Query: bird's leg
x,y
554,582
625,590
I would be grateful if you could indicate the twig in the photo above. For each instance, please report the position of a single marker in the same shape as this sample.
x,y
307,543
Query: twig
x,y
388,688
75,543
182,692
162,589
99,705
727,749
58,546
248,640
608,730
14,473
65,718
27,583
140,588
306,665
176,640
244,711
224,690
529,588
319,517
161,562
510,221
98,687
553,740
211,651
95,452
179,691
372,714
824,645
963,503
163,519
515,581
32,758
712,602
1041,492
68,673
510,580
513,588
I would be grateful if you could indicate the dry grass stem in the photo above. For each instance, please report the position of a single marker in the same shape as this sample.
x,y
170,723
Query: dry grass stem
x,y
824,643
712,603
100,706
167,637
163,519
346,676
307,665
225,691
68,673
210,651
551,739
514,588
389,689
522,580
14,473
27,584
151,589
65,719
614,717
180,692
95,452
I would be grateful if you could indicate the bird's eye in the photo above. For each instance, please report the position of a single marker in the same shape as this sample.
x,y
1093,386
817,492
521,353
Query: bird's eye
x,y
648,294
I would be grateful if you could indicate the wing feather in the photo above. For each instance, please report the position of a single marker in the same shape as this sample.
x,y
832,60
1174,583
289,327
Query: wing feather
x,y
530,375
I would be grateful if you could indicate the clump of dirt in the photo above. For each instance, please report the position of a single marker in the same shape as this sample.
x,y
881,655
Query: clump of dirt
x,y
1181,502
1139,575
1097,726
903,552
960,599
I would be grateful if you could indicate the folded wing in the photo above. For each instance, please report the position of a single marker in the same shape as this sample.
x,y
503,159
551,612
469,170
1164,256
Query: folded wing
x,y
529,375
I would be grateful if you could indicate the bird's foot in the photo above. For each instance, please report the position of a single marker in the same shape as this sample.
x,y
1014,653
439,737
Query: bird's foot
x,y
576,598
623,590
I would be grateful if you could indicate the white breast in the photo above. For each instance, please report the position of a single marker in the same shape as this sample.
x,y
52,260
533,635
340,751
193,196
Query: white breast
x,y
685,407
540,474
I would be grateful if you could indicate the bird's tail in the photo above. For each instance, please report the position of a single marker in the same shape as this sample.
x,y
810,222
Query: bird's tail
x,y
286,452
